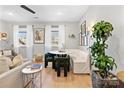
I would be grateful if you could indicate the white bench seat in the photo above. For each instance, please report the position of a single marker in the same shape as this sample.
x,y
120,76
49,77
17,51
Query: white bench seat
x,y
80,61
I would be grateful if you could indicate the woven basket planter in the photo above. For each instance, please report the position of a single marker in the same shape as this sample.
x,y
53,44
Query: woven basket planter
x,y
99,82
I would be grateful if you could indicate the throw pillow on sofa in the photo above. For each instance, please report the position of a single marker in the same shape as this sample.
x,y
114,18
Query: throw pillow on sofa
x,y
17,60
7,59
7,52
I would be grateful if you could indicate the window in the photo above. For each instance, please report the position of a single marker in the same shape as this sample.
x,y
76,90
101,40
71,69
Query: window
x,y
55,38
23,40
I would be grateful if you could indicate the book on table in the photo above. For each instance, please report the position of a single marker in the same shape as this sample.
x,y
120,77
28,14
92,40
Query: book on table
x,y
36,66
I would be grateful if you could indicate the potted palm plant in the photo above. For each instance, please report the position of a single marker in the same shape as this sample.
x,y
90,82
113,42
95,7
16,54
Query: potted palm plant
x,y
101,32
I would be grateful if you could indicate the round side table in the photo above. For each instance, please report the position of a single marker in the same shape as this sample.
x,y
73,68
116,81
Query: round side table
x,y
31,77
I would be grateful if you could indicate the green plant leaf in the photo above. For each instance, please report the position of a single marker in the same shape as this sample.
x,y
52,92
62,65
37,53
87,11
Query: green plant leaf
x,y
101,32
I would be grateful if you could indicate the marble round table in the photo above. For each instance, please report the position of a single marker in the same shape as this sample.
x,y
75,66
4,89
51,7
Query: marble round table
x,y
30,75
58,52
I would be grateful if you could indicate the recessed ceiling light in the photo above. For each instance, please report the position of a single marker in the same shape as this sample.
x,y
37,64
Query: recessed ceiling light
x,y
36,17
10,13
59,13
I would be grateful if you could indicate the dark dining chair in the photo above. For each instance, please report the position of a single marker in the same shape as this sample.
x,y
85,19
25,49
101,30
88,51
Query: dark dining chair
x,y
62,61
49,58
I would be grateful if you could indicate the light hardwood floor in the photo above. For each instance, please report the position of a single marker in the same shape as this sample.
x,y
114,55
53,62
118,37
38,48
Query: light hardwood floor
x,y
50,80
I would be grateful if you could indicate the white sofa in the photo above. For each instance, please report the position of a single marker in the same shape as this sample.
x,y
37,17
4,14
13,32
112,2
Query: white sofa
x,y
13,77
80,61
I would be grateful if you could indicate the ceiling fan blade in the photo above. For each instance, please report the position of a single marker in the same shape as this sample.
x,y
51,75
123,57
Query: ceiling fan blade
x,y
26,8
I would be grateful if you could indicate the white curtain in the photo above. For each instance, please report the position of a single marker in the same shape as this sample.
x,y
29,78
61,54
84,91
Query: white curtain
x,y
48,36
27,50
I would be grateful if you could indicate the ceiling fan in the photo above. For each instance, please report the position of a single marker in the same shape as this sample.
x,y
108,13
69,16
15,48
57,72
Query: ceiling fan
x,y
28,9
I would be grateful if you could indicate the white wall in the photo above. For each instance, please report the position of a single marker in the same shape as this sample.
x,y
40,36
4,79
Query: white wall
x,y
6,27
114,15
70,28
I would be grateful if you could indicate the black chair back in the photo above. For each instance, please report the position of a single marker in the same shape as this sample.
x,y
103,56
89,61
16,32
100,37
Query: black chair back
x,y
62,61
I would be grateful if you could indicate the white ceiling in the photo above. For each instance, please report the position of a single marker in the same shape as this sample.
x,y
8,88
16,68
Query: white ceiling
x,y
45,13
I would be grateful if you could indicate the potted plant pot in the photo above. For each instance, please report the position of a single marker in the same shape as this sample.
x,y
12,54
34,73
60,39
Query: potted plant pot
x,y
110,82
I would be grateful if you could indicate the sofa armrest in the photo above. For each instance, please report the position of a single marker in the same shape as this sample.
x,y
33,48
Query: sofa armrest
x,y
13,77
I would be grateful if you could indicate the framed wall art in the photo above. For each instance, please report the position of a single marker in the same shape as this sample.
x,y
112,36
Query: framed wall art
x,y
85,40
80,38
83,28
3,36
84,35
39,35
